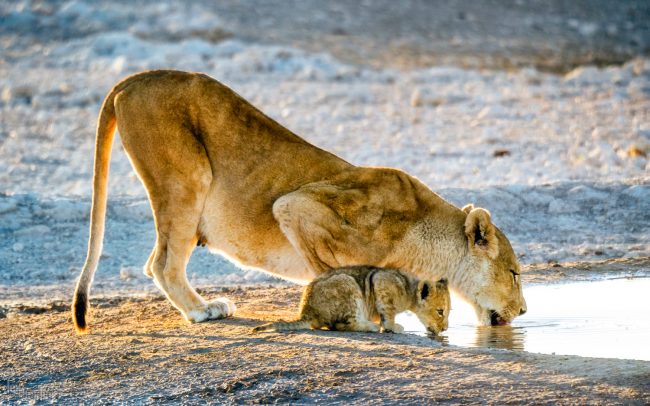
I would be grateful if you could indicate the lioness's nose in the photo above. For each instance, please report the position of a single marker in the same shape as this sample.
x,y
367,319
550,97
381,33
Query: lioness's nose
x,y
522,311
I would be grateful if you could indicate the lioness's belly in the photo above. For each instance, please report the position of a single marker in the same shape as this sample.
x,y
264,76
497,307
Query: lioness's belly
x,y
251,241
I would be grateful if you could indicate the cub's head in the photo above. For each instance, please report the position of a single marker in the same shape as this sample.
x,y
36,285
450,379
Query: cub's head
x,y
492,282
432,305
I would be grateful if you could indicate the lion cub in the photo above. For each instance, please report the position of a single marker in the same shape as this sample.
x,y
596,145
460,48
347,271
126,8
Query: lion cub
x,y
347,299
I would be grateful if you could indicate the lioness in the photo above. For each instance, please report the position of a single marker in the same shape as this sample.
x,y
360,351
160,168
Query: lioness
x,y
347,299
221,173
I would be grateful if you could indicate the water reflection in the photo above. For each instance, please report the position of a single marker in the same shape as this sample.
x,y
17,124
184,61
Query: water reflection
x,y
503,337
567,319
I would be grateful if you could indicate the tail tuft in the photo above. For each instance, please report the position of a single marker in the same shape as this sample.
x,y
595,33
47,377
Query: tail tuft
x,y
79,311
263,328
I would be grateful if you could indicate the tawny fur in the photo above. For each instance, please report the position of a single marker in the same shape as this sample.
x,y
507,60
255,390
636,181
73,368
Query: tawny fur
x,y
220,172
356,298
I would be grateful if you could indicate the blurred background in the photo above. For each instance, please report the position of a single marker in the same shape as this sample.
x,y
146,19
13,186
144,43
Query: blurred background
x,y
551,35
536,110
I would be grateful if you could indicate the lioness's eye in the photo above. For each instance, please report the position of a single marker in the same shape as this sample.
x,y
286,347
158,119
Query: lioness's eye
x,y
514,275
441,312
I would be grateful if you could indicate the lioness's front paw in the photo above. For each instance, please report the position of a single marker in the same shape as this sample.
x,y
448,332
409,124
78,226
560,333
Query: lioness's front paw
x,y
225,306
394,328
216,309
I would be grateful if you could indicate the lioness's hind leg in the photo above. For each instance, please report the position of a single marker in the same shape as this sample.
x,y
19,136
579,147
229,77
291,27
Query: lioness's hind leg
x,y
177,225
177,174
147,268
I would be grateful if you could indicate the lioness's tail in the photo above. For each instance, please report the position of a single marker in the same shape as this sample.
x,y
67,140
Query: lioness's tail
x,y
103,144
284,326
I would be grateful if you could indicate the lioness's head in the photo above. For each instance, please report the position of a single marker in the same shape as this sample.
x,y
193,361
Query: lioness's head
x,y
432,305
495,282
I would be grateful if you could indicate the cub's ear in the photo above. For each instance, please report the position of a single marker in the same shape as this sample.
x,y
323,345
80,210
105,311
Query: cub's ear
x,y
480,233
442,284
467,208
424,288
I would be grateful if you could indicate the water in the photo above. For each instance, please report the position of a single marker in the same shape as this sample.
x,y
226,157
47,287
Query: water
x,y
607,318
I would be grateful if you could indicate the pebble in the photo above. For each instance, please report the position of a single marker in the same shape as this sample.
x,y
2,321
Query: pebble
x,y
17,95
133,211
33,231
585,193
8,207
18,247
127,273
422,96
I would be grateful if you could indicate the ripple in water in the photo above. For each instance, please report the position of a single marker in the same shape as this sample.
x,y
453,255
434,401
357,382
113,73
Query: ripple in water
x,y
608,318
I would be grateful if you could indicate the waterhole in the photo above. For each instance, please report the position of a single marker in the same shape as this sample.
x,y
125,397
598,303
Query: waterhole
x,y
606,318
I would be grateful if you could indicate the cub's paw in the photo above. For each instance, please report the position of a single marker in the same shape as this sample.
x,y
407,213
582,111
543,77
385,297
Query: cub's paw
x,y
216,309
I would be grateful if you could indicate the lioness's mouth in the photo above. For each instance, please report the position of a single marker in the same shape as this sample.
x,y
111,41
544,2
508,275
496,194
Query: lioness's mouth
x,y
497,320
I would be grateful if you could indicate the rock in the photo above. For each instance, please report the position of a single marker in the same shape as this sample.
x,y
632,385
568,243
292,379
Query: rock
x,y
233,278
585,75
558,206
498,153
139,210
18,247
584,193
8,206
66,210
75,9
119,64
603,155
588,29
499,202
126,274
33,231
423,96
636,151
639,192
21,94
536,198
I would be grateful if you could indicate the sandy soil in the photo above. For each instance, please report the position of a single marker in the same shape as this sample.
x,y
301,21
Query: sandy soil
x,y
141,351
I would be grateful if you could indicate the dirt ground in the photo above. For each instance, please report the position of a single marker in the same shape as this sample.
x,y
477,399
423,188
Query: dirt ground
x,y
141,351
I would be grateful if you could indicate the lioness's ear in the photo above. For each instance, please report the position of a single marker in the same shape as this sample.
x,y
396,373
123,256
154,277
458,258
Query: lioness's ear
x,y
424,288
480,233
441,284
467,208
